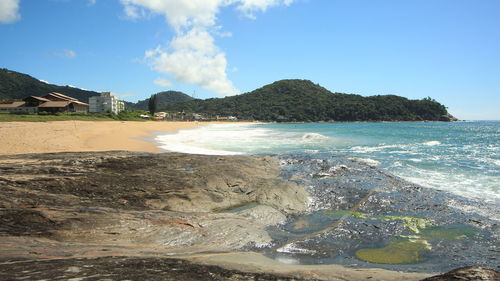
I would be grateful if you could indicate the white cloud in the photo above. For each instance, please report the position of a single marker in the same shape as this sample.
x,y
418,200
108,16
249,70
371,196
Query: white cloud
x,y
9,11
92,2
67,54
163,82
192,55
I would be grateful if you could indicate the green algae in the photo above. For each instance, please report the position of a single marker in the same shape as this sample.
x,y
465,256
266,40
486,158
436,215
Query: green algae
x,y
411,223
450,232
343,213
399,251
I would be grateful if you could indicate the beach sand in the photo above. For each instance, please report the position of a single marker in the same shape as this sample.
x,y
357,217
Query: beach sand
x,y
72,136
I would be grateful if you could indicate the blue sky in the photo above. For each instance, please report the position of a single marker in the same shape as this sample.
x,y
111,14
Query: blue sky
x,y
446,49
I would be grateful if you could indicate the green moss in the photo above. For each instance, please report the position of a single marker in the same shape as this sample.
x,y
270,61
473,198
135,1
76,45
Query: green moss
x,y
453,232
401,251
343,213
412,223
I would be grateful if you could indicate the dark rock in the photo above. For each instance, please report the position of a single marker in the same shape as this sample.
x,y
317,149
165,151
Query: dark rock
x,y
125,268
468,273
123,199
445,118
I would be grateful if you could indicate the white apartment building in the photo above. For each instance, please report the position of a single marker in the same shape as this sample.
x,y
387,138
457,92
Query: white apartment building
x,y
105,102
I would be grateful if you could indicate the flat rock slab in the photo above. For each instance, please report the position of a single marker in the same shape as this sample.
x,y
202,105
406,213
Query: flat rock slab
x,y
124,268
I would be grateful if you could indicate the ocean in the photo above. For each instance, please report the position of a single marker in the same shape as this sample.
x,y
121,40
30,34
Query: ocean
x,y
406,196
462,158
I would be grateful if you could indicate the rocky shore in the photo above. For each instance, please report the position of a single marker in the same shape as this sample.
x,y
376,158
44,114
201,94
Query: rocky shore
x,y
123,215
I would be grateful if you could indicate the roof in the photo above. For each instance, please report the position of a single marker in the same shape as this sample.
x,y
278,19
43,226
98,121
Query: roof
x,y
61,103
37,98
11,104
59,96
55,104
80,103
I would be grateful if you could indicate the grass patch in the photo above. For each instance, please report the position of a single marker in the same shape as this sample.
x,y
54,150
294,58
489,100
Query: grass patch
x,y
122,116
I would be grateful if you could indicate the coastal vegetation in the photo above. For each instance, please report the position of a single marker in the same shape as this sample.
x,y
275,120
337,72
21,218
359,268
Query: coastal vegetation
x,y
153,104
305,101
126,115
282,101
17,86
163,99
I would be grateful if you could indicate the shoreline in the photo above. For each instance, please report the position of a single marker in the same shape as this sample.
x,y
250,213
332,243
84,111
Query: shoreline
x,y
80,136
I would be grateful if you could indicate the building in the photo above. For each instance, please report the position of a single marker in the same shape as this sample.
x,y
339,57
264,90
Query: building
x,y
106,102
52,103
57,102
226,118
14,106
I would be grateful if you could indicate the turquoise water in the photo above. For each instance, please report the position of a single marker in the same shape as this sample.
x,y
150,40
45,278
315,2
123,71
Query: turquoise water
x,y
459,157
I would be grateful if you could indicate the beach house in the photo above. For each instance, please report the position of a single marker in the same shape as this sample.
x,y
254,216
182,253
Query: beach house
x,y
51,103
57,102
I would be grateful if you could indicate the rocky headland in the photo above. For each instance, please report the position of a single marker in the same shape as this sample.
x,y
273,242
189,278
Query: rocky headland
x,y
124,215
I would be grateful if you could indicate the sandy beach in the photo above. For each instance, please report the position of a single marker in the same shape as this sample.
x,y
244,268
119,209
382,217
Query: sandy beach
x,y
71,136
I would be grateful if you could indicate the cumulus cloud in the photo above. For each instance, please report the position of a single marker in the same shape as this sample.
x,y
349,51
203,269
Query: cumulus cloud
x,y
163,82
192,55
9,11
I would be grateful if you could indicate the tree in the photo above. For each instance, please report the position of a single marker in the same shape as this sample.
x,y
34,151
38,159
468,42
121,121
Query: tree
x,y
152,104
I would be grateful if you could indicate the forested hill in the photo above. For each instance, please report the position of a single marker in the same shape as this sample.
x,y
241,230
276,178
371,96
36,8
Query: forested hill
x,y
17,86
163,99
302,100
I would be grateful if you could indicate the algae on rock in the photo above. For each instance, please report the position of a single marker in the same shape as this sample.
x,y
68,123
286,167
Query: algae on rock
x,y
401,251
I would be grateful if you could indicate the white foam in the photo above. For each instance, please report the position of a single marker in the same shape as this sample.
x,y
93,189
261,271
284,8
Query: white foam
x,y
293,249
313,137
206,139
460,184
196,150
432,143
367,161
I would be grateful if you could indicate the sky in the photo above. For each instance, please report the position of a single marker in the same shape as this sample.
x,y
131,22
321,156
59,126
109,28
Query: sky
x,y
446,49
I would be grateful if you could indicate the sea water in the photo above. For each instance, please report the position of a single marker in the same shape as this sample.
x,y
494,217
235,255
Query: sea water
x,y
359,214
462,158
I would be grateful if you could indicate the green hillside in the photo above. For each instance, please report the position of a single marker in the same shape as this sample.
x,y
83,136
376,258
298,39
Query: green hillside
x,y
302,100
16,86
283,101
163,99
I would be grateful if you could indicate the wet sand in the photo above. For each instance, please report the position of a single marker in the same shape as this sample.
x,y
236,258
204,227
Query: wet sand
x,y
72,136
